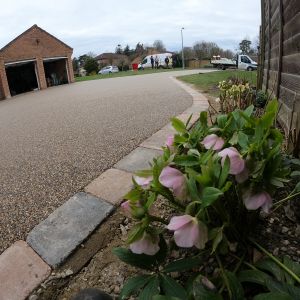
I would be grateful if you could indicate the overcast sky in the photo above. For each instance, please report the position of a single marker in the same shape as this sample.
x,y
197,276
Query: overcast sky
x,y
99,26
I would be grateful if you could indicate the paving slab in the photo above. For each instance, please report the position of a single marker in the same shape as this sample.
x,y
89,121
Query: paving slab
x,y
57,236
21,271
138,159
111,185
158,139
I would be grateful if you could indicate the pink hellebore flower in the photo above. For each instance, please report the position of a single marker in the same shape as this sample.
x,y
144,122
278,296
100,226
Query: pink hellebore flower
x,y
170,141
126,208
143,182
175,180
147,245
212,141
254,201
188,231
237,164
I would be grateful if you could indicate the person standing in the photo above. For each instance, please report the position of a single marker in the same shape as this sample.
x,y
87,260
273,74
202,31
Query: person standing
x,y
152,61
156,62
167,61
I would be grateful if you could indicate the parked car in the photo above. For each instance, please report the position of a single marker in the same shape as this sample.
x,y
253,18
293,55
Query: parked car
x,y
109,70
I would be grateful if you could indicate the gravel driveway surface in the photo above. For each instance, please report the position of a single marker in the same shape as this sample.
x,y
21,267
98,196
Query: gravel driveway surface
x,y
54,142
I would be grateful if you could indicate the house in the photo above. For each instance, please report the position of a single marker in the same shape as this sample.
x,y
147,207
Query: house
x,y
106,59
32,61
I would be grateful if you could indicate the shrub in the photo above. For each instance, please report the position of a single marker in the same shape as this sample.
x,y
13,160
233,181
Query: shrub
x,y
217,179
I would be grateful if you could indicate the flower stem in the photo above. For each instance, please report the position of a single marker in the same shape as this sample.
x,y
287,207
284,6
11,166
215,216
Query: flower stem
x,y
224,277
280,202
279,263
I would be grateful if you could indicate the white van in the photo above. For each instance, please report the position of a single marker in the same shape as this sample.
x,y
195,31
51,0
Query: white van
x,y
146,62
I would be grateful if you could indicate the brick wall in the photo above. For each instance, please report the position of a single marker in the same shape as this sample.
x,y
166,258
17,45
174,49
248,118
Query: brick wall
x,y
35,43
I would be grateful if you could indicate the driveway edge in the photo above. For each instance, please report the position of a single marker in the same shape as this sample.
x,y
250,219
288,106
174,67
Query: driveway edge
x,y
103,196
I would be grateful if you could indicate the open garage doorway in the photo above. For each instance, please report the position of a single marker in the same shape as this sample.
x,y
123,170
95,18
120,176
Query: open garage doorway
x,y
21,77
56,71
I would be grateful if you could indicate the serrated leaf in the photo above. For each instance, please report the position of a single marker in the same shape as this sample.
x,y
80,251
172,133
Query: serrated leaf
x,y
150,290
135,233
234,139
133,284
236,288
178,125
293,266
249,110
296,188
221,120
273,296
269,265
138,260
243,139
171,287
280,287
210,195
295,173
183,264
254,276
186,160
193,190
295,161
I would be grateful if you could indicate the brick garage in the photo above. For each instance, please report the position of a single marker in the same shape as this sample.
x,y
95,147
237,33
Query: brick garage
x,y
34,60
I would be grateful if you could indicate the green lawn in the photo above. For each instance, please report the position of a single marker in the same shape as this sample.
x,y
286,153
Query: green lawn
x,y
208,82
124,73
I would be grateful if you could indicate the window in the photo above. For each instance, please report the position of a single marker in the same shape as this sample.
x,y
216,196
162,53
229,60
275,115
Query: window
x,y
144,61
245,59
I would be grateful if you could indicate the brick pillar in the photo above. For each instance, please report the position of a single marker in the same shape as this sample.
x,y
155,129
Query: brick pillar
x,y
70,68
4,82
41,73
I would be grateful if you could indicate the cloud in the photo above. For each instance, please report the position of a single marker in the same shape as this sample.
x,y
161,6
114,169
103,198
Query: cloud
x,y
98,26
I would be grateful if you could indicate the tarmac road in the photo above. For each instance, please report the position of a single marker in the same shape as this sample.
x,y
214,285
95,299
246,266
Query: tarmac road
x,y
54,142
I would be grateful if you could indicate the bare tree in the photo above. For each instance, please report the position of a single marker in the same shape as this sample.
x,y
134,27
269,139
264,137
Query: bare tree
x,y
159,45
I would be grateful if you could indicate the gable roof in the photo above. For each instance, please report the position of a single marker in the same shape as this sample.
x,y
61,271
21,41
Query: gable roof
x,y
28,30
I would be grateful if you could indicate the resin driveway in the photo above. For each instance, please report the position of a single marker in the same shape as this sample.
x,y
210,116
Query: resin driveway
x,y
54,142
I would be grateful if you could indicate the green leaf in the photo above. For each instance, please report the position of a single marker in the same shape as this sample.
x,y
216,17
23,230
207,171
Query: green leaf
x,y
188,121
135,233
243,139
280,287
295,161
133,284
217,240
221,120
236,288
171,287
186,160
133,195
203,119
210,195
161,297
296,188
178,125
224,172
200,292
150,290
249,111
295,173
293,266
254,276
234,139
144,173
193,190
273,296
269,265
142,261
183,264
274,181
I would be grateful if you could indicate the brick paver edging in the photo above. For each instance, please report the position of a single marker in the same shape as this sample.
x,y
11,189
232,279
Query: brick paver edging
x,y
25,265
